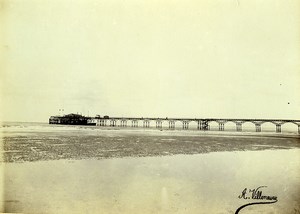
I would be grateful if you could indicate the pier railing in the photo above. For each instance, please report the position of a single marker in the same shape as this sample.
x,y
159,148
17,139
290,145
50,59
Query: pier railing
x,y
202,123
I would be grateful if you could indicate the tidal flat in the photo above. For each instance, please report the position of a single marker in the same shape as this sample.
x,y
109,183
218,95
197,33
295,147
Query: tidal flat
x,y
54,143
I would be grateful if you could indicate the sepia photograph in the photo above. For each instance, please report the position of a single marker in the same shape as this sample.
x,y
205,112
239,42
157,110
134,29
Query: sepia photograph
x,y
150,106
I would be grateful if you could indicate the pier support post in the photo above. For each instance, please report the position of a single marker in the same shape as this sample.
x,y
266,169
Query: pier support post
x,y
239,127
103,122
123,123
134,123
185,124
203,125
171,124
146,124
158,124
200,125
112,123
278,128
258,127
221,126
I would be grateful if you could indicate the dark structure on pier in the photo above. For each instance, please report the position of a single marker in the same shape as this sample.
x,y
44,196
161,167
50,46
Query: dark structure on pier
x,y
71,119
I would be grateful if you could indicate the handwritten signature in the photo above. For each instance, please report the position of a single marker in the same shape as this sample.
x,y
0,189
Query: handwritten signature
x,y
256,194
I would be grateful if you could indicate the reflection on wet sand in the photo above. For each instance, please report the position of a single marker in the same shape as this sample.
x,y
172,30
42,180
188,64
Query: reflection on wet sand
x,y
204,183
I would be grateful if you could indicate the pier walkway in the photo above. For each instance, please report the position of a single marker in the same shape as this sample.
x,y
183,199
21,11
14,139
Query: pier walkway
x,y
202,123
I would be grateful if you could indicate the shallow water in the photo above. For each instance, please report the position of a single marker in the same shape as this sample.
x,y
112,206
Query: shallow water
x,y
204,183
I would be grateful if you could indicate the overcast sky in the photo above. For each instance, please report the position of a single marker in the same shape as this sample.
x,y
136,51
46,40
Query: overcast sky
x,y
209,58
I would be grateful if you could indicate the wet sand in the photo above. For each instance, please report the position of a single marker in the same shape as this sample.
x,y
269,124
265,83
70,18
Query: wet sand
x,y
90,170
85,143
204,183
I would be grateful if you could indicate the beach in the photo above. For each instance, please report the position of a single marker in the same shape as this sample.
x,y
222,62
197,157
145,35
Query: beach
x,y
31,142
61,169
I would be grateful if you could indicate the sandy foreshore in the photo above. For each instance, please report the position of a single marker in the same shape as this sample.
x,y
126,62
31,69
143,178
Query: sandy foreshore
x,y
183,184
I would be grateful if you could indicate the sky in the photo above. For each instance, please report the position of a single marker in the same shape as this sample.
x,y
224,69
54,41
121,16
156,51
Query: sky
x,y
171,58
